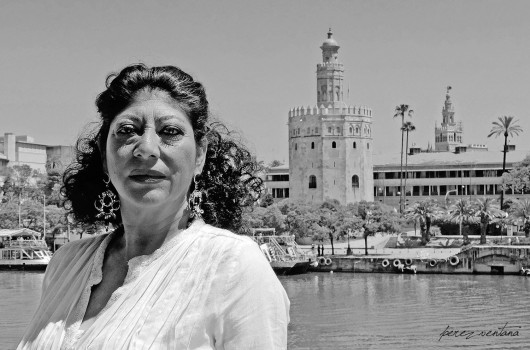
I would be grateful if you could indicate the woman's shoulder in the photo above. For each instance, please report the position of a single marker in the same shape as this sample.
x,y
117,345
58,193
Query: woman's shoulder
x,y
81,245
220,236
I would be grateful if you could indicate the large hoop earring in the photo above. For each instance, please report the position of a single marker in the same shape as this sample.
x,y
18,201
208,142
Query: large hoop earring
x,y
195,200
106,204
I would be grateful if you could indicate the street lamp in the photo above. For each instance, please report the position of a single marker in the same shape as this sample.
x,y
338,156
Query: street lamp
x,y
456,190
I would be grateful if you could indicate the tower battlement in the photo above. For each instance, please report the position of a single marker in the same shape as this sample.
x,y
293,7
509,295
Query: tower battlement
x,y
361,111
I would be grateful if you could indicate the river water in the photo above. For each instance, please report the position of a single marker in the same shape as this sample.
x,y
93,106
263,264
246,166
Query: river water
x,y
360,311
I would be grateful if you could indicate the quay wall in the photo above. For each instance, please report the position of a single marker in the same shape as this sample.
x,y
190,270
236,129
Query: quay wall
x,y
505,260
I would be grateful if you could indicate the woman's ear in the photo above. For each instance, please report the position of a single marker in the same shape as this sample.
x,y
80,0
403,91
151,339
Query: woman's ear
x,y
200,157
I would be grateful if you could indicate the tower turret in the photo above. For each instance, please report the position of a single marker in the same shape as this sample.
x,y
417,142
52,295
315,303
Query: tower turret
x,y
330,75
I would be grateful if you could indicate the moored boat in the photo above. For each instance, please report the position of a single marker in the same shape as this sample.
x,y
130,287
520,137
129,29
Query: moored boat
x,y
282,252
23,249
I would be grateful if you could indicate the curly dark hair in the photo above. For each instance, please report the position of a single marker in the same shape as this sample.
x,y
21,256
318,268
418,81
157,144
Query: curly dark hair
x,y
229,178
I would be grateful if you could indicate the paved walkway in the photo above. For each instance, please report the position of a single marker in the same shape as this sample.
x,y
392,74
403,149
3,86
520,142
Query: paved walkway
x,y
376,247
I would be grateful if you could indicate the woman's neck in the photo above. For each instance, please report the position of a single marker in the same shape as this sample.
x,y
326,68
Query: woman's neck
x,y
146,229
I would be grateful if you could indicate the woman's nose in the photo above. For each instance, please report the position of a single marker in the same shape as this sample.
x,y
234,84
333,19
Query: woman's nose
x,y
147,146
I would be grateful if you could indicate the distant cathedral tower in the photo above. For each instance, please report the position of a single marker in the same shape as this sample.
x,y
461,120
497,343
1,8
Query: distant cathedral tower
x,y
330,143
449,134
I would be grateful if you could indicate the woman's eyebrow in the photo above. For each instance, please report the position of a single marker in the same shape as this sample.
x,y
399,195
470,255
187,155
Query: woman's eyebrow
x,y
167,117
132,117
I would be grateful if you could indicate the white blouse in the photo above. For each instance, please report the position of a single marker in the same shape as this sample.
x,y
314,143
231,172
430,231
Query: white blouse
x,y
205,288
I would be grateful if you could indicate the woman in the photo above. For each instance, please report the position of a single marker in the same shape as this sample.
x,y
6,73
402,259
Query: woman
x,y
166,277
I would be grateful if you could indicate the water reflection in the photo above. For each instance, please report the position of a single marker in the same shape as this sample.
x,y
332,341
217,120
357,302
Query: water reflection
x,y
402,311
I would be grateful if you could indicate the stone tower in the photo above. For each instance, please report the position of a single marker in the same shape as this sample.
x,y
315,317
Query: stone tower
x,y
449,134
330,143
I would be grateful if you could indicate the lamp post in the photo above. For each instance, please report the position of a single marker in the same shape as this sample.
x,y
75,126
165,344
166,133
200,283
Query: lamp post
x,y
456,190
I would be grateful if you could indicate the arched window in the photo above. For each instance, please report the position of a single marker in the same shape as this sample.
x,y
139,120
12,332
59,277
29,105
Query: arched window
x,y
312,145
312,181
333,144
355,181
356,129
368,145
351,130
295,146
354,144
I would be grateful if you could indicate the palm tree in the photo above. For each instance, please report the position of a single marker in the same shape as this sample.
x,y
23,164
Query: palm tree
x,y
407,127
486,211
401,110
521,210
506,126
461,212
424,211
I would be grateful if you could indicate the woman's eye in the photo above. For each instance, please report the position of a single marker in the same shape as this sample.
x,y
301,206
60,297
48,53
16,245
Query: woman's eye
x,y
171,131
126,130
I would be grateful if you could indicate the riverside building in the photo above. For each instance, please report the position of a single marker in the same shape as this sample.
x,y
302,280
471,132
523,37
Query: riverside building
x,y
23,150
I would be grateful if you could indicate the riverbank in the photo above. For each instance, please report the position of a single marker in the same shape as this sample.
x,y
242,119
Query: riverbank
x,y
443,255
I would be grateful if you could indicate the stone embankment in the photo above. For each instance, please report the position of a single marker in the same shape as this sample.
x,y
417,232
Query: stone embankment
x,y
441,256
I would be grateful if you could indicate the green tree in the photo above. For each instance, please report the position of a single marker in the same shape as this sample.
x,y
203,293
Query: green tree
x,y
506,126
486,211
424,211
407,128
461,212
266,200
518,179
401,111
521,210
377,217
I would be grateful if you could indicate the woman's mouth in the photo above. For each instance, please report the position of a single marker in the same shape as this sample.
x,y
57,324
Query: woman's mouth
x,y
146,178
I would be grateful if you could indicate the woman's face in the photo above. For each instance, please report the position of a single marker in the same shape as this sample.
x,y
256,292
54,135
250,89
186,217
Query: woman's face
x,y
151,153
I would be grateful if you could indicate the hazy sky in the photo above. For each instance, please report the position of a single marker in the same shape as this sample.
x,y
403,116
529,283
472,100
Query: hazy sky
x,y
257,59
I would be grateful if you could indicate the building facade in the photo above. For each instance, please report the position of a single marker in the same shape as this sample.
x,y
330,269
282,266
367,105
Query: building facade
x,y
330,143
23,150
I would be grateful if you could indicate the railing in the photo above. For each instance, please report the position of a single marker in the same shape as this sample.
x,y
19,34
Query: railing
x,y
33,243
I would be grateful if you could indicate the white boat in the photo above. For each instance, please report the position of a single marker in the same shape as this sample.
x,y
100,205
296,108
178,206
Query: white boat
x,y
281,251
23,249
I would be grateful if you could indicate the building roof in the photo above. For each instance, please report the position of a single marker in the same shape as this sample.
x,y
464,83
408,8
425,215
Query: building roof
x,y
281,167
449,159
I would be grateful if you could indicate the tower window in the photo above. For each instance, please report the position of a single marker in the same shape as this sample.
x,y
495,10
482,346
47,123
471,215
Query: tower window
x,y
356,129
354,144
312,145
368,145
355,181
316,130
295,146
351,130
312,181
298,131
329,129
338,130
333,144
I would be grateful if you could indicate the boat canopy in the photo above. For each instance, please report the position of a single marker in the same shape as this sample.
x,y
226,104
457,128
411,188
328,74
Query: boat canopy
x,y
19,232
